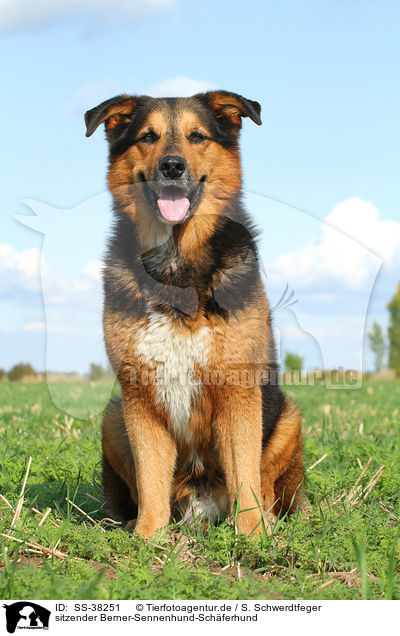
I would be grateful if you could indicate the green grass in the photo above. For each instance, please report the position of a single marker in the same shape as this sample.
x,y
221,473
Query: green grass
x,y
334,549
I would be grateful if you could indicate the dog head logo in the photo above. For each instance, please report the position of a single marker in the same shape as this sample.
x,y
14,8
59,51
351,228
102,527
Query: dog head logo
x,y
26,615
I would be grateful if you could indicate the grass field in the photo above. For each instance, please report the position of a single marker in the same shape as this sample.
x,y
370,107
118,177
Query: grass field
x,y
344,545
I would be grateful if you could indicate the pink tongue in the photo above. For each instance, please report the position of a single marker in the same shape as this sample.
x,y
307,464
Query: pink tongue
x,y
173,209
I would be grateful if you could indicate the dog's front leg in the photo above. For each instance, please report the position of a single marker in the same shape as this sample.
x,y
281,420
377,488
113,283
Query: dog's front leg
x,y
154,452
237,431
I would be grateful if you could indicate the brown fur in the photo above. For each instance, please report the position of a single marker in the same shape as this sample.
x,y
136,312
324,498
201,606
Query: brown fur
x,y
147,466
282,464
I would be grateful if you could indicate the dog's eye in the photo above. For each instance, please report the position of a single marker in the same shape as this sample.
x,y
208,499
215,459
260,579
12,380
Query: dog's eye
x,y
197,137
148,137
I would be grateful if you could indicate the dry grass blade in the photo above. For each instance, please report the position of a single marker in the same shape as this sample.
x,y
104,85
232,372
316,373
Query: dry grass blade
x,y
354,489
68,422
21,497
31,544
338,499
57,544
99,481
323,586
107,522
159,547
374,479
43,519
6,502
317,462
94,498
390,512
57,525
330,574
85,514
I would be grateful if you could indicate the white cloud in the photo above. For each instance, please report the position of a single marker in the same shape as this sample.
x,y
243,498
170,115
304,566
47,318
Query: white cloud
x,y
179,86
93,271
19,270
83,291
352,244
25,14
359,220
26,272
34,326
42,326
335,277
93,93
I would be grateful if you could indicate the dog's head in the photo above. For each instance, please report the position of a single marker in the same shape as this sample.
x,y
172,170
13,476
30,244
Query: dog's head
x,y
172,157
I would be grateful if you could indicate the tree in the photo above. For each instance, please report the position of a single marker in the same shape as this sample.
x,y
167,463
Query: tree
x,y
377,345
21,371
3,375
293,362
96,372
394,332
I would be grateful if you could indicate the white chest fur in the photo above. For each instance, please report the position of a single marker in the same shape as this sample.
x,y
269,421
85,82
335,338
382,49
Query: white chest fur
x,y
175,354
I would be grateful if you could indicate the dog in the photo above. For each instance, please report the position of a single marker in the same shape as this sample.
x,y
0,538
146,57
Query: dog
x,y
202,428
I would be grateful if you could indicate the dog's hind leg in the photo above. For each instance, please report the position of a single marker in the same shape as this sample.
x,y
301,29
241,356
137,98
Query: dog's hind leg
x,y
119,478
288,487
282,469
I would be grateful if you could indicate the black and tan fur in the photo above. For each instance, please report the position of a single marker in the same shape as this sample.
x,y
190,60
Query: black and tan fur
x,y
188,297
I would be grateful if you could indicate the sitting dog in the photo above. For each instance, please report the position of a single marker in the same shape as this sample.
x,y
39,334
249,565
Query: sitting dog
x,y
202,422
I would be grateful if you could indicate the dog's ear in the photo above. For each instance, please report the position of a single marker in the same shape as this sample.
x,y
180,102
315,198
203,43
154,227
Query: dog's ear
x,y
114,111
233,106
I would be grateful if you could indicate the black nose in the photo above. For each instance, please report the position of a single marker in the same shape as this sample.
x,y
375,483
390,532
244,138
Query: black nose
x,y
172,166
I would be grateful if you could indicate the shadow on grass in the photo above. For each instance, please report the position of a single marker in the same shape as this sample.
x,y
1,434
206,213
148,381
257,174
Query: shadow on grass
x,y
59,494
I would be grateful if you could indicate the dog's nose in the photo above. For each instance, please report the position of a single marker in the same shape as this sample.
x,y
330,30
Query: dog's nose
x,y
172,166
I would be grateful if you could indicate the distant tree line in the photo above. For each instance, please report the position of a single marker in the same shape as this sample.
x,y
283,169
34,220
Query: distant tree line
x,y
394,332
96,372
23,370
293,361
18,372
377,339
378,343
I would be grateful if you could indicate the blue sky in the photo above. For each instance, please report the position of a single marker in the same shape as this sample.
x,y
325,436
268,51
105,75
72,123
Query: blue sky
x,y
326,75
